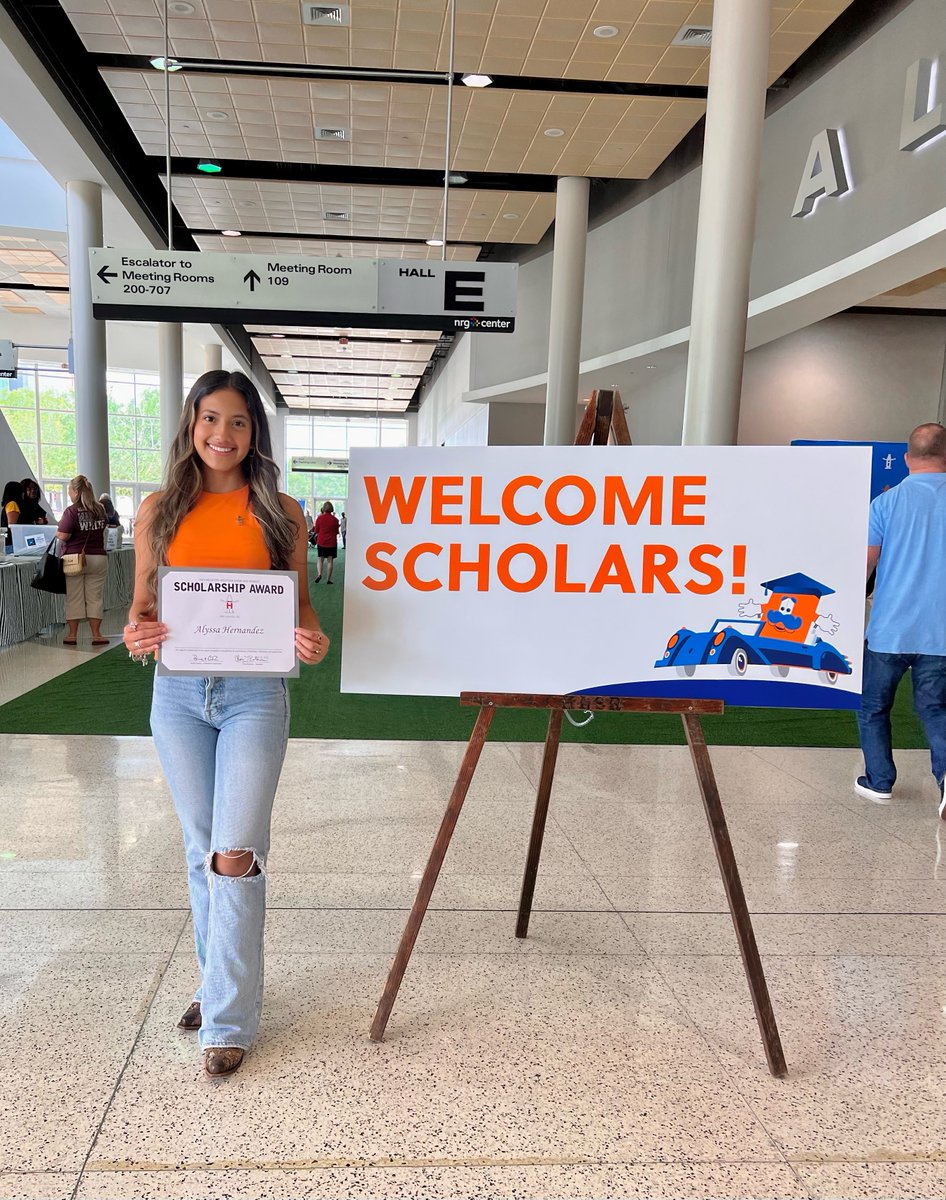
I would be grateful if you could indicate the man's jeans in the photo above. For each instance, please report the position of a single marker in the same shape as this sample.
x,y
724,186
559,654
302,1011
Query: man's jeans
x,y
882,674
221,743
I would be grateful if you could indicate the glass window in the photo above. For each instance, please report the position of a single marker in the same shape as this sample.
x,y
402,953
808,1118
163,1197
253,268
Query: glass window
x,y
39,406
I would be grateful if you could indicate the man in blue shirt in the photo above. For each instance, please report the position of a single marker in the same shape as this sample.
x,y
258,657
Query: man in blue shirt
x,y
907,628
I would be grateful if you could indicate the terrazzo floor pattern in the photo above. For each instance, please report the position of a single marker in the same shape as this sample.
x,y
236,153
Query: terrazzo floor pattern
x,y
614,1053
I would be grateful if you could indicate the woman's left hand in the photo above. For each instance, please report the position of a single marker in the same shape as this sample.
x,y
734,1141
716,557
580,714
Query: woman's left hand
x,y
311,645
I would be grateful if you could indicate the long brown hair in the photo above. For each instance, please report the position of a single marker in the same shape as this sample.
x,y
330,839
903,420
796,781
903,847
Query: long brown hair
x,y
85,497
184,481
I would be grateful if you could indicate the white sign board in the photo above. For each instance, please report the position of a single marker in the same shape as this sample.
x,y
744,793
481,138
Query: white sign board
x,y
482,297
170,279
130,284
733,573
330,466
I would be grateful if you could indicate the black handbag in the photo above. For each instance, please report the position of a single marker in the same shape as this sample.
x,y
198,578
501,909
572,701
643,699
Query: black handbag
x,y
49,576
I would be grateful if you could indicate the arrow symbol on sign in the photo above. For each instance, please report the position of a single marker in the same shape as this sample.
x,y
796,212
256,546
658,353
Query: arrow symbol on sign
x,y
106,275
252,279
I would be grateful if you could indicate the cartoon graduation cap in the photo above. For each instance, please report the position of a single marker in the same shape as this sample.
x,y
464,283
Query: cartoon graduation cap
x,y
792,606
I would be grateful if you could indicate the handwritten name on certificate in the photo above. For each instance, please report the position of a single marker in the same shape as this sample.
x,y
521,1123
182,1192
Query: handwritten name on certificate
x,y
228,622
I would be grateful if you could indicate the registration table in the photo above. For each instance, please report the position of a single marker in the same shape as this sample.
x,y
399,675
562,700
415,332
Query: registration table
x,y
24,611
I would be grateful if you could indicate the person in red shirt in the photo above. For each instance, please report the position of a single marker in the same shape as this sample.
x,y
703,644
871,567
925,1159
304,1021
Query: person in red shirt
x,y
326,539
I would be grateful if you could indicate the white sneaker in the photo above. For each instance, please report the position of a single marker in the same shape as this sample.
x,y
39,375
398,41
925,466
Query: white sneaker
x,y
869,793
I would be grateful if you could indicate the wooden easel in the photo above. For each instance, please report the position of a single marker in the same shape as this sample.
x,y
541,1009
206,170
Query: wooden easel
x,y
604,418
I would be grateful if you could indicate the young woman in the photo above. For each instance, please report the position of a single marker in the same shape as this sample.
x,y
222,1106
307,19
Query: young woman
x,y
82,529
221,741
31,510
326,539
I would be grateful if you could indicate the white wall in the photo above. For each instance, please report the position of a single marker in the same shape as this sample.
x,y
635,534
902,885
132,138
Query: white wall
x,y
516,424
444,418
858,377
853,377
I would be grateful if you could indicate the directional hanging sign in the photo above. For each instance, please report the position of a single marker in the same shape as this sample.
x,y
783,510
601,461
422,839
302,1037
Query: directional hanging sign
x,y
172,280
170,285
319,466
480,297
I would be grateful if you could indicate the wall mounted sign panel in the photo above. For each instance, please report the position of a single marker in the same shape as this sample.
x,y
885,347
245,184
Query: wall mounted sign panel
x,y
174,286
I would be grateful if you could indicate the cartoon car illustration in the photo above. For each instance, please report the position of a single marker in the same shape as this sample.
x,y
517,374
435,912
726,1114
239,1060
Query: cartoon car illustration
x,y
773,634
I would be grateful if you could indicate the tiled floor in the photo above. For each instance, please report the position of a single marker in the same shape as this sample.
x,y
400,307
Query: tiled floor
x,y
612,1054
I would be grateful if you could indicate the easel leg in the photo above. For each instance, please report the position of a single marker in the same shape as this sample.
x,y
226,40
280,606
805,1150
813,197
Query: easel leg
x,y
538,821
431,872
758,988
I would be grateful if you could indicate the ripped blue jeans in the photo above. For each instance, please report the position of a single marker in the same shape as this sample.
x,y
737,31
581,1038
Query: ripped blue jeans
x,y
221,742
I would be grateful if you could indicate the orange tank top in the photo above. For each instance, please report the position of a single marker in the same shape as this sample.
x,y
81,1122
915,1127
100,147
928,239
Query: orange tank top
x,y
220,532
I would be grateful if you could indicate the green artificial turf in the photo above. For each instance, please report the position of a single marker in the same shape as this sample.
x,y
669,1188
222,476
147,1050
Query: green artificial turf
x,y
111,695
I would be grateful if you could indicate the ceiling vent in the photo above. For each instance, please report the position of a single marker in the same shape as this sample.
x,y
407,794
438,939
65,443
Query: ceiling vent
x,y
694,35
336,215
336,15
331,133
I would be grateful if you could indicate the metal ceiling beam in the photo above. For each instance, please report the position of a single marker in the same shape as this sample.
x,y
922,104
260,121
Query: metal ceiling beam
x,y
326,237
505,83
355,176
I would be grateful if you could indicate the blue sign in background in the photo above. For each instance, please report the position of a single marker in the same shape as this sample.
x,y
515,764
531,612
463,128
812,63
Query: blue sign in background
x,y
887,465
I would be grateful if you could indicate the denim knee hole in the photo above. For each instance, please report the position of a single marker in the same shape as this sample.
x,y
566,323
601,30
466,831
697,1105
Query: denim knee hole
x,y
255,870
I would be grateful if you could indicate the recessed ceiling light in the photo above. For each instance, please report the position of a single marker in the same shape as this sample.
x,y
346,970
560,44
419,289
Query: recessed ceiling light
x,y
231,233
181,8
435,241
456,177
247,204
216,114
209,168
476,80
406,341
510,216
277,335
651,367
172,65
605,31
553,132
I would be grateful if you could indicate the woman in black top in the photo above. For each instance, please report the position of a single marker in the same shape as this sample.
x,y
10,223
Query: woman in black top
x,y
31,510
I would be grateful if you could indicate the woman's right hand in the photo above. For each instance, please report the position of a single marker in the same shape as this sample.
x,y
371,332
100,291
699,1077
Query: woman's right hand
x,y
143,634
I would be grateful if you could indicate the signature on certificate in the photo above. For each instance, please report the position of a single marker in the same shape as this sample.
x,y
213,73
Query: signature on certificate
x,y
251,660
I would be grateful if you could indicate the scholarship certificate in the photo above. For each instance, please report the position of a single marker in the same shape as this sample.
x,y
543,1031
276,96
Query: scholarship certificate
x,y
228,622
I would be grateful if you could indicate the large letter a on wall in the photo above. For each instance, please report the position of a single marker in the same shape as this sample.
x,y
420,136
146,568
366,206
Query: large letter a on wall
x,y
824,173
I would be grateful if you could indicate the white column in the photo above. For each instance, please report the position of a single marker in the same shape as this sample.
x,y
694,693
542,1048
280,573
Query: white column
x,y
731,150
171,370
213,357
277,435
568,290
84,225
